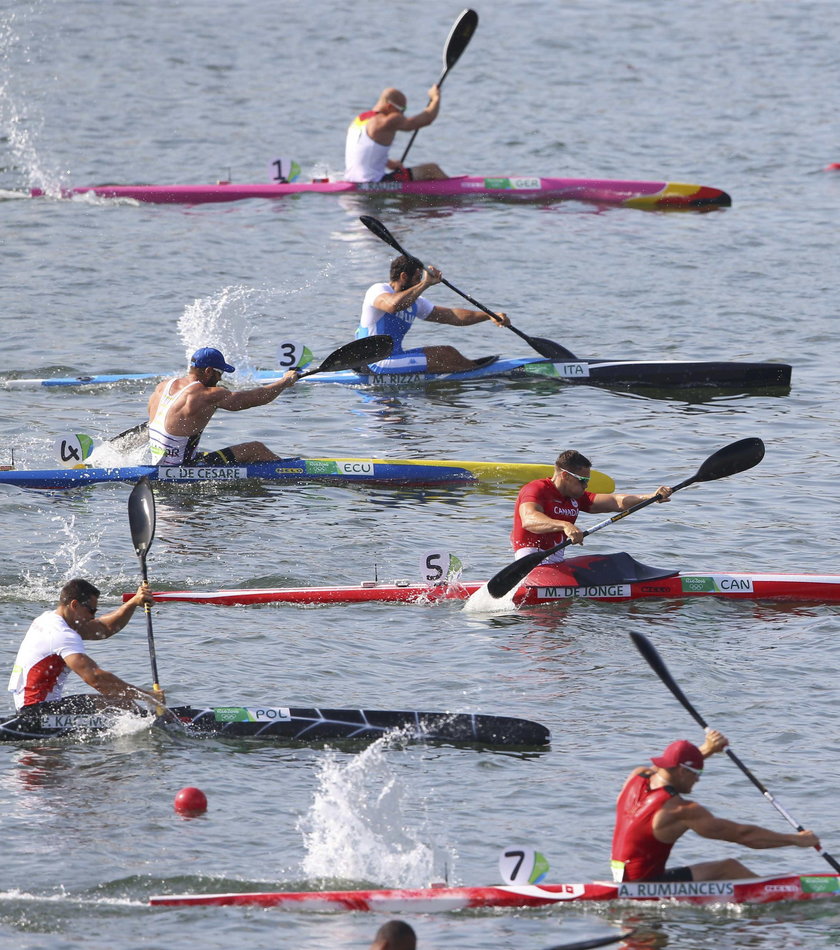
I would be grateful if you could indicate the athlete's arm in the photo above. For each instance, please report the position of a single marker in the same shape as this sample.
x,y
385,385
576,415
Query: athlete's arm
x,y
701,821
465,318
535,520
617,502
100,628
405,123
107,683
249,398
393,302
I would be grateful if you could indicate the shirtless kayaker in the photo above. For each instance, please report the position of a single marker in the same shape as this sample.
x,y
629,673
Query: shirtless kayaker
x,y
179,410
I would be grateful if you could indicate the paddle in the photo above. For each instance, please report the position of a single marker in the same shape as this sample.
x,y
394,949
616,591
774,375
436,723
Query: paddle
x,y
141,519
734,458
459,36
656,663
369,349
593,942
546,348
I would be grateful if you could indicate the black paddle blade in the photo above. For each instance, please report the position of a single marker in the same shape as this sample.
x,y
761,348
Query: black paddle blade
x,y
131,438
369,349
141,516
379,229
511,575
550,350
547,348
657,664
458,39
734,458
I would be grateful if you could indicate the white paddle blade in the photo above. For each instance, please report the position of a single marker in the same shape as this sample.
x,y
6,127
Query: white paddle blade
x,y
522,865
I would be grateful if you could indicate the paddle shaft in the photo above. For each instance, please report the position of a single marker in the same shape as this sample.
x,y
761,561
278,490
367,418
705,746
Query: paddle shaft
x,y
459,36
141,519
657,664
150,634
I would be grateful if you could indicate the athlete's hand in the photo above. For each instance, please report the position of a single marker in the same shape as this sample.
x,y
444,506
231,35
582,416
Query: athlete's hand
x,y
573,533
143,595
432,276
807,839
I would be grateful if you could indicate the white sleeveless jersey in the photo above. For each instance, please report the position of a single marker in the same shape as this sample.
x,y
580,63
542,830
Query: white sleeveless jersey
x,y
364,159
40,671
166,448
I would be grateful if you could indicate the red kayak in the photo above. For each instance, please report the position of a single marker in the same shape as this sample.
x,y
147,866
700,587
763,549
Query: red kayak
x,y
424,900
607,577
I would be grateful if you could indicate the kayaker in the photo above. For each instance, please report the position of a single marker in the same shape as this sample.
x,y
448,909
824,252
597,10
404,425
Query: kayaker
x,y
393,307
371,134
395,935
651,815
180,408
54,647
546,510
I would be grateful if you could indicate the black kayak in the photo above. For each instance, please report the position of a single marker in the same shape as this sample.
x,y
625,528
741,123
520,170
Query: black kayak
x,y
281,724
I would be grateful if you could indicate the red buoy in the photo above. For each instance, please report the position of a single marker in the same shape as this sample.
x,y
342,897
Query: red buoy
x,y
191,802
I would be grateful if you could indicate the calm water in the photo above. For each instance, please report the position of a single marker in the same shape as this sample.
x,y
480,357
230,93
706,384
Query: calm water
x,y
740,95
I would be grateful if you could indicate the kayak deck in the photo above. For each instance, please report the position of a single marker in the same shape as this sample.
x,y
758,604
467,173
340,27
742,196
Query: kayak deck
x,y
768,890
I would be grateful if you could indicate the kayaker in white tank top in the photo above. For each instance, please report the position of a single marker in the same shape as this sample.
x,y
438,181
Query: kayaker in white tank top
x,y
166,448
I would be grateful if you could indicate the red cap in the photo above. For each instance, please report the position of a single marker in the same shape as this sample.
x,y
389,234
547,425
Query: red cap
x,y
681,752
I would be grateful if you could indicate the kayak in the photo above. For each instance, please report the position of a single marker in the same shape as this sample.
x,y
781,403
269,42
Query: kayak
x,y
648,195
605,577
768,890
614,374
365,471
290,724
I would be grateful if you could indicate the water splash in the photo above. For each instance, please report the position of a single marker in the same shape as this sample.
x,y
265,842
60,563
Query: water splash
x,y
358,824
227,320
75,556
20,128
481,602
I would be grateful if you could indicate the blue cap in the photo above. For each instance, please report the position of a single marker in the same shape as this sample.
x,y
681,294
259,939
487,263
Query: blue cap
x,y
209,358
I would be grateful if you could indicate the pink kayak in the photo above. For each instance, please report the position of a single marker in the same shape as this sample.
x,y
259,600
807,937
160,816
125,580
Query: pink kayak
x,y
651,195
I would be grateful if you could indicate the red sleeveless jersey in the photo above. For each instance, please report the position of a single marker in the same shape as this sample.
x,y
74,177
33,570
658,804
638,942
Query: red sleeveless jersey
x,y
635,850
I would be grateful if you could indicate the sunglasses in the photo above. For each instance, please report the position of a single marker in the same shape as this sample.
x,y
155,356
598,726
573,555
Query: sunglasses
x,y
691,768
394,104
88,607
583,479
